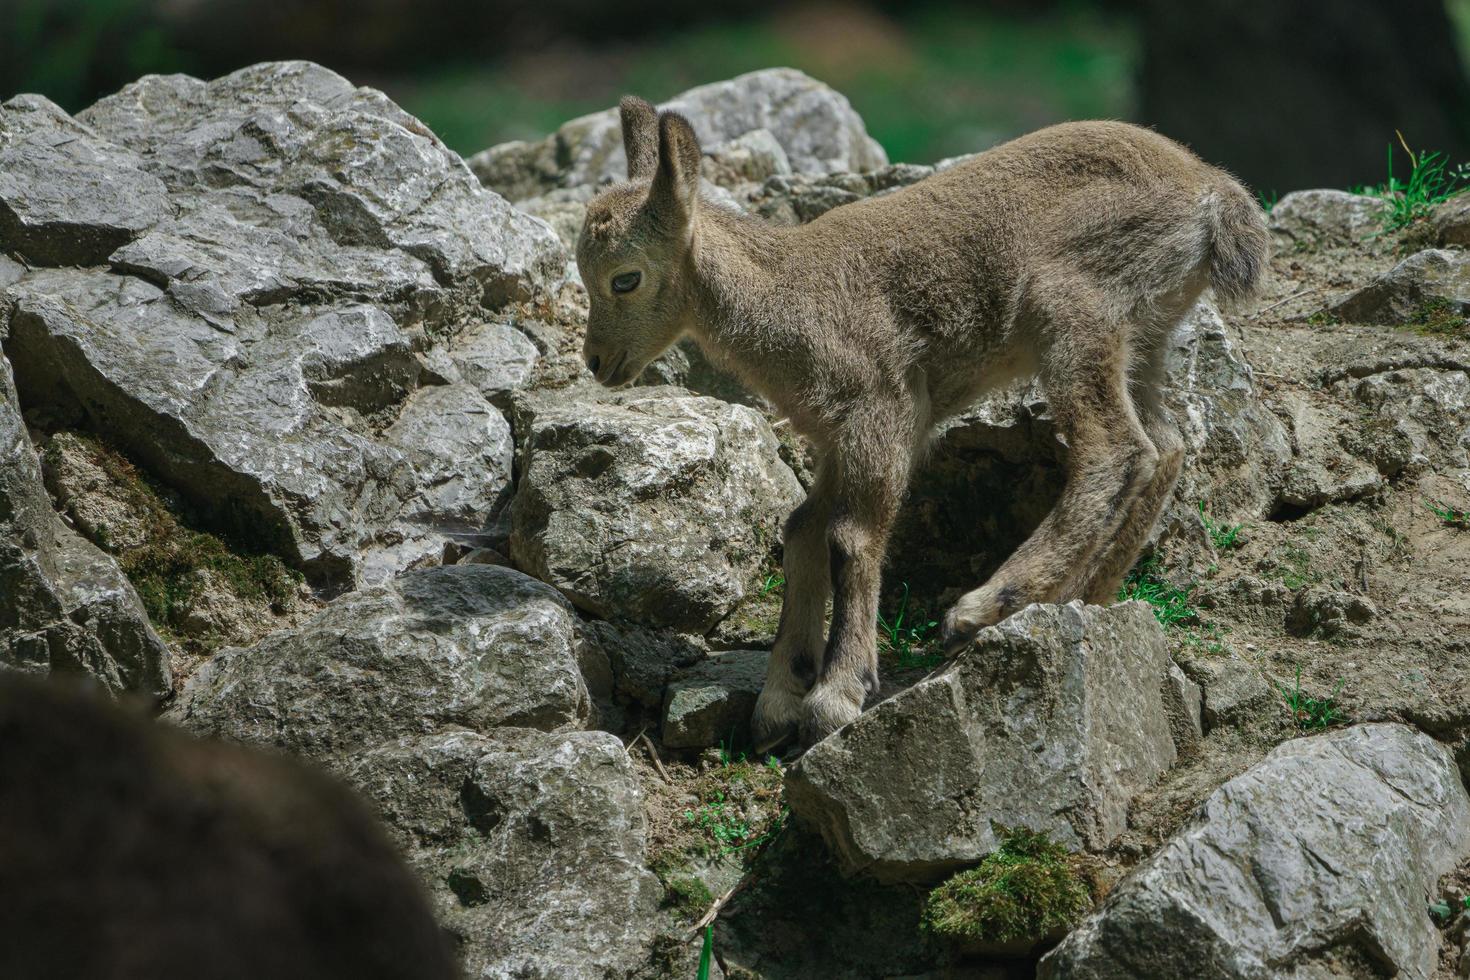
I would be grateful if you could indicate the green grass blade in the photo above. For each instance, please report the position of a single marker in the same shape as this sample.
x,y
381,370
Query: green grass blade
x,y
708,952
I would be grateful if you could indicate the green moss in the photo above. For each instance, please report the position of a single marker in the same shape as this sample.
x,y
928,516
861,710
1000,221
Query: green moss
x,y
165,566
1441,317
1025,889
687,896
740,806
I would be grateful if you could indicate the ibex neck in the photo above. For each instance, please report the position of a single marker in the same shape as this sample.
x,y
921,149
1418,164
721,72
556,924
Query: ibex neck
x,y
743,314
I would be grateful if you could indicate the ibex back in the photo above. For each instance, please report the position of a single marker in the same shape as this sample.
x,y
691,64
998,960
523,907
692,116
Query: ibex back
x,y
1069,254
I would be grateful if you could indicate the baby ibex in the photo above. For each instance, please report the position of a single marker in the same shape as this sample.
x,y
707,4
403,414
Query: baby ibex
x,y
1069,254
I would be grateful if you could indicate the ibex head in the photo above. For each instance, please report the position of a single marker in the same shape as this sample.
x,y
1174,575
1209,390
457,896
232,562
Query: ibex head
x,y
634,252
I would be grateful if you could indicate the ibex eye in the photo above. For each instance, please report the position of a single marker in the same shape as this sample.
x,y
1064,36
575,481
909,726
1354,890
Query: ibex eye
x,y
626,282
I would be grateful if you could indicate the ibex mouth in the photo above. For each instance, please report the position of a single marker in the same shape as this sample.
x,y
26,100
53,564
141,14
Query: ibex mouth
x,y
608,373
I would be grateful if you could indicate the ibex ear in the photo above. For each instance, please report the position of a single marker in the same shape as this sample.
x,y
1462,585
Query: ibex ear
x,y
676,183
640,136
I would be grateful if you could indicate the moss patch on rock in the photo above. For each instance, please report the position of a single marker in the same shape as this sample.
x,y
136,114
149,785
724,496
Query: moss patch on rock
x,y
198,589
1022,892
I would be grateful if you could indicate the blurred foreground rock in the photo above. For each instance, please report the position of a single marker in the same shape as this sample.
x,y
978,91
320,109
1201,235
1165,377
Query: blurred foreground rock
x,y
129,850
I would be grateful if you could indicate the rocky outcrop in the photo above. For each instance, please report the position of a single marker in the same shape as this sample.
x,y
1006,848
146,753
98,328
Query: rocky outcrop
x,y
64,604
276,255
1327,217
1052,720
649,504
533,846
1324,854
815,128
464,646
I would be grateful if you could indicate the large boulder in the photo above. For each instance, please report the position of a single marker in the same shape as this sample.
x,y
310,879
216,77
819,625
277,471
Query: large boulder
x,y
648,504
1054,720
1326,853
532,844
814,126
284,252
64,604
472,646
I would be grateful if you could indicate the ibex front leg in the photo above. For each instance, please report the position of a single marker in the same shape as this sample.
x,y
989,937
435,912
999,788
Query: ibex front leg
x,y
797,656
871,463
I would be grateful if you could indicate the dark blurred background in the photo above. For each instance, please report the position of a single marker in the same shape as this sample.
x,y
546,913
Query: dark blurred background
x,y
1286,93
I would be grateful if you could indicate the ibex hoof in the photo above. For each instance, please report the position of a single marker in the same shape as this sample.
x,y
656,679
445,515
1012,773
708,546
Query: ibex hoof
x,y
777,715
827,709
957,633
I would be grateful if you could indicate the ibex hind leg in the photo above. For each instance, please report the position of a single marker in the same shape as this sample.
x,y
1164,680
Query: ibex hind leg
x,y
1111,463
1105,576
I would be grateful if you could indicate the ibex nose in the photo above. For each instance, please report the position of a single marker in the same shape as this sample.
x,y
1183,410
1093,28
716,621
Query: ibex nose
x,y
593,363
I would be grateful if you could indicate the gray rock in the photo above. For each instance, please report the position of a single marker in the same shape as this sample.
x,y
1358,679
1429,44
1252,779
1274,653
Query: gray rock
x,y
1451,221
496,358
746,159
1184,704
649,504
642,660
64,604
308,246
67,195
1232,690
1327,217
1329,848
1053,720
460,449
472,646
1426,282
815,127
1323,468
373,175
1409,417
532,844
1235,447
711,702
1328,612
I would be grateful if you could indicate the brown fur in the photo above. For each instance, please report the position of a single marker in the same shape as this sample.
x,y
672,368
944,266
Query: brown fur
x,y
1068,254
130,851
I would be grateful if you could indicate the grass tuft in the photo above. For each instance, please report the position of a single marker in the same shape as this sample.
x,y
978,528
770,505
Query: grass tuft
x,y
1439,316
1171,605
1308,713
908,637
1431,180
706,954
739,804
1449,515
1025,889
1224,536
